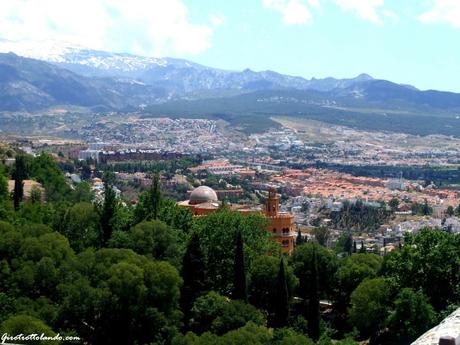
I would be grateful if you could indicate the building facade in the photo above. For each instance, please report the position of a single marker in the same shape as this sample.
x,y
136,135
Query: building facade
x,y
203,200
281,223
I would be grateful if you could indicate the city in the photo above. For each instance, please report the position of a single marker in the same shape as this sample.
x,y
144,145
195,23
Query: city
x,y
267,172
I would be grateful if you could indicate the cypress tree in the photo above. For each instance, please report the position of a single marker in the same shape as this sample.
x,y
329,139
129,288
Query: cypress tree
x,y
239,285
313,300
155,197
19,175
3,187
281,299
299,239
85,171
348,244
362,249
354,247
194,275
108,211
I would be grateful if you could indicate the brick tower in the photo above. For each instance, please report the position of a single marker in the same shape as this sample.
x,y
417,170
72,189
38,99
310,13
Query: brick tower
x,y
281,223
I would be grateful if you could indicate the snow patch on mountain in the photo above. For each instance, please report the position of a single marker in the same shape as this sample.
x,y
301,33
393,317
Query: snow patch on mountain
x,y
66,53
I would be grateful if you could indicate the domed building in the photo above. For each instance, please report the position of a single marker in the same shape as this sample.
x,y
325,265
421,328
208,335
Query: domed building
x,y
203,194
203,200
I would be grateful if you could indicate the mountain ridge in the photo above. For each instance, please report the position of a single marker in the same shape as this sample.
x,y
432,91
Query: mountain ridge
x,y
30,85
102,81
162,70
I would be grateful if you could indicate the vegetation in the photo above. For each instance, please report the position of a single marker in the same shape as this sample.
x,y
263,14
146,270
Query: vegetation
x,y
108,272
19,175
360,217
164,166
247,112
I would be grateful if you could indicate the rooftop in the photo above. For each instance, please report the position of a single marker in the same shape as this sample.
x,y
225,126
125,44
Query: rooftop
x,y
450,326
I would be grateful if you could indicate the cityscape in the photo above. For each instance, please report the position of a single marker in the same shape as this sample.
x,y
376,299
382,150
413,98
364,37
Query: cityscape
x,y
189,173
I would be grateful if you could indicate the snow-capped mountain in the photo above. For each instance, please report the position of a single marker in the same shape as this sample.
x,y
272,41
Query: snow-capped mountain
x,y
61,53
29,84
178,76
49,72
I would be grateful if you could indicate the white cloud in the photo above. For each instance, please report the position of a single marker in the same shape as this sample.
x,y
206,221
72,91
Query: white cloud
x,y
391,15
152,27
443,11
293,12
365,9
216,19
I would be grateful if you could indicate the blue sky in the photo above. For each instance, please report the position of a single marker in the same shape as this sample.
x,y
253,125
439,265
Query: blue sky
x,y
406,41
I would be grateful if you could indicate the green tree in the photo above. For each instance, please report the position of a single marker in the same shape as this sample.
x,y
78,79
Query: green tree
x,y
352,271
302,262
35,195
345,243
85,171
123,297
313,312
394,204
45,170
322,235
287,336
107,211
362,250
426,209
24,324
153,239
281,298
239,285
450,211
428,262
19,175
457,210
217,314
249,334
175,216
82,193
6,208
299,238
194,275
7,306
360,217
218,233
149,205
370,305
81,226
412,316
3,186
155,196
263,282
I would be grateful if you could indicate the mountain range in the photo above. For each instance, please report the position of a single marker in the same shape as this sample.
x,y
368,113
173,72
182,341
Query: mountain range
x,y
177,76
39,75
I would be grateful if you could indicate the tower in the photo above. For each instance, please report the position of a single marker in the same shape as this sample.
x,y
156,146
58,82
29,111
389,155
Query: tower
x,y
281,224
272,203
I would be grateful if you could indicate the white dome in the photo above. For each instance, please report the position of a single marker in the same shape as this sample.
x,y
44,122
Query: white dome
x,y
202,194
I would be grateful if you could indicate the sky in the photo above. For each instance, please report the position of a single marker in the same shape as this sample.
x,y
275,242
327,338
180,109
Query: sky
x,y
414,42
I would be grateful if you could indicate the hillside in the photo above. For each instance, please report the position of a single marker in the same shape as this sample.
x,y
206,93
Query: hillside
x,y
63,75
407,111
178,76
30,85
